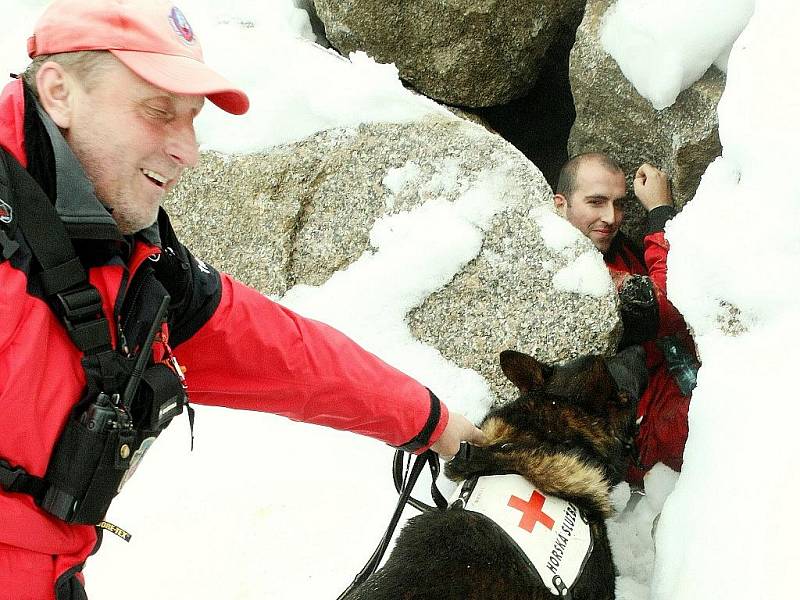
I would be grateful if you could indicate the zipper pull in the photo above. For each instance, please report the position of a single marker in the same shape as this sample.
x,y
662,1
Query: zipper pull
x,y
180,371
123,342
172,362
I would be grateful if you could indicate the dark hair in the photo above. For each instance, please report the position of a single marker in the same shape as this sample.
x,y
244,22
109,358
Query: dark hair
x,y
568,177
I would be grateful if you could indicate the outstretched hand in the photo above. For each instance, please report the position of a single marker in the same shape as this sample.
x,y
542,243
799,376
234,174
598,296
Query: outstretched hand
x,y
459,429
651,187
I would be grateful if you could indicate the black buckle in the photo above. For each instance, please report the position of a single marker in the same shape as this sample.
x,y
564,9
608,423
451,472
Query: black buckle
x,y
464,452
82,312
7,245
9,475
80,305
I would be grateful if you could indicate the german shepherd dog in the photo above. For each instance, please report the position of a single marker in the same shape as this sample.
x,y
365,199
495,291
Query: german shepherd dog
x,y
570,434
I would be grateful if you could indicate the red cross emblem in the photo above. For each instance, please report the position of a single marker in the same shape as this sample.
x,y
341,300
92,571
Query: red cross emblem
x,y
531,511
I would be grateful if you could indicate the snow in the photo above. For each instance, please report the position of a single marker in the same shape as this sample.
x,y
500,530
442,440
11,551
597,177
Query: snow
x,y
585,275
631,531
397,179
267,508
732,509
557,233
664,46
318,90
296,87
416,253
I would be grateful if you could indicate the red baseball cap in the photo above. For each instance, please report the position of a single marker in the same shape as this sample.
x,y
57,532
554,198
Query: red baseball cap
x,y
151,37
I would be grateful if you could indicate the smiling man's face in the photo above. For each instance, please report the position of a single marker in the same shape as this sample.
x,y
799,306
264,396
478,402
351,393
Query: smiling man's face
x,y
595,207
133,140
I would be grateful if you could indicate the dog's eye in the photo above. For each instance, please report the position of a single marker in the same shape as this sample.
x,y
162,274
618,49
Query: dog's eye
x,y
507,446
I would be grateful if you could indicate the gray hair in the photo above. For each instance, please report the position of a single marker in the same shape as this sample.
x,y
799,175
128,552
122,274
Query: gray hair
x,y
86,66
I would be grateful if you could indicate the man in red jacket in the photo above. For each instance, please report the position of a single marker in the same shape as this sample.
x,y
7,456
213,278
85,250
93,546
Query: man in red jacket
x,y
589,195
108,321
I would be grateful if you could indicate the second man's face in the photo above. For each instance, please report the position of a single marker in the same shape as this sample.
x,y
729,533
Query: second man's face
x,y
595,207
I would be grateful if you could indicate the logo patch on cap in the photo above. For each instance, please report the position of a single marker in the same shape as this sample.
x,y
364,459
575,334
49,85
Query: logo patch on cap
x,y
6,214
181,25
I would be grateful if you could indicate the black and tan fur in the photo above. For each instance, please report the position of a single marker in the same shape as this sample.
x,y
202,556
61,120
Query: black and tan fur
x,y
568,433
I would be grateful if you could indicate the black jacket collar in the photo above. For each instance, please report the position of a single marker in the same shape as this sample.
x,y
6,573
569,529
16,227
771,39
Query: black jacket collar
x,y
58,171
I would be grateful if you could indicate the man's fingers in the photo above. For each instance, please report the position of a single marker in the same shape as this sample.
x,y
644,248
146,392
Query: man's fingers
x,y
651,187
478,438
646,169
459,429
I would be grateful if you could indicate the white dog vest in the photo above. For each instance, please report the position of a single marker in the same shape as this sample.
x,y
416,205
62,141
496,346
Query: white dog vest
x,y
550,531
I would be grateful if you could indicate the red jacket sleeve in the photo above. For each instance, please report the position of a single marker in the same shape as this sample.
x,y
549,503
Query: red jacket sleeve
x,y
258,355
656,248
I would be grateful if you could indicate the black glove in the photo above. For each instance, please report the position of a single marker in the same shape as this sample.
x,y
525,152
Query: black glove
x,y
629,370
638,310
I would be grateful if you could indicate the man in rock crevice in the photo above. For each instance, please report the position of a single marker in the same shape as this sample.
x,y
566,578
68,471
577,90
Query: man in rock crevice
x,y
590,192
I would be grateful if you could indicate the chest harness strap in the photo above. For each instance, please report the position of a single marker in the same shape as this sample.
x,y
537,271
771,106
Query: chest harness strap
x,y
99,447
65,283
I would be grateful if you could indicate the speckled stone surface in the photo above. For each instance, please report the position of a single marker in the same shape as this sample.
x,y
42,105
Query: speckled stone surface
x,y
232,213
463,52
505,299
612,117
299,213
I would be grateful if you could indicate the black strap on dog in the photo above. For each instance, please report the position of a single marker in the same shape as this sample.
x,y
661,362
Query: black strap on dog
x,y
404,484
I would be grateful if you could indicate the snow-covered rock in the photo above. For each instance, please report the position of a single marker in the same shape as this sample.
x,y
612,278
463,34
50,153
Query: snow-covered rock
x,y
612,117
518,276
467,53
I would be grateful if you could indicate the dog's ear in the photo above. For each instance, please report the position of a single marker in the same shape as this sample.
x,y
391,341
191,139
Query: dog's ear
x,y
523,371
599,387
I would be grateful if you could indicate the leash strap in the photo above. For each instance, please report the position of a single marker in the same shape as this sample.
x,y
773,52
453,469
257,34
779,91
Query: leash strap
x,y
399,476
429,457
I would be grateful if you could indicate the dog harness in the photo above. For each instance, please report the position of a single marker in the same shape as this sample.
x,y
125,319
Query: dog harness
x,y
549,532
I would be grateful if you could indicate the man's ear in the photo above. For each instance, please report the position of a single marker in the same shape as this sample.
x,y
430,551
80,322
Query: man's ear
x,y
560,202
56,92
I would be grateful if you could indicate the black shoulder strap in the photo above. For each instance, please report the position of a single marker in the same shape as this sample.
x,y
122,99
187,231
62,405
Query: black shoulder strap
x,y
44,231
8,225
63,278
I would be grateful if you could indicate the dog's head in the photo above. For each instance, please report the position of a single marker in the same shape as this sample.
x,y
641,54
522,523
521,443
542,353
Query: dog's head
x,y
568,419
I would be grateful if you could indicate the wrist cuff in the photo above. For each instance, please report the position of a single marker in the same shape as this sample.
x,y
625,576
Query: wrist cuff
x,y
421,440
658,217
